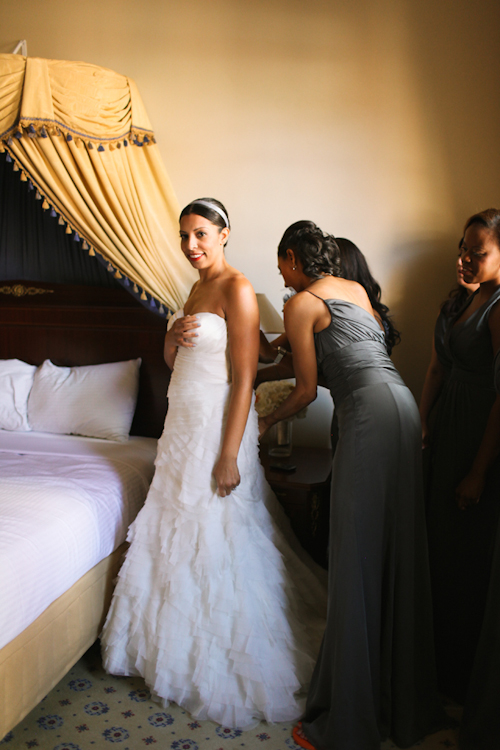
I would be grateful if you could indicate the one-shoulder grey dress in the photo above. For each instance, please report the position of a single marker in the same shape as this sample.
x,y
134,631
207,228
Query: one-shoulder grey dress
x,y
375,676
461,543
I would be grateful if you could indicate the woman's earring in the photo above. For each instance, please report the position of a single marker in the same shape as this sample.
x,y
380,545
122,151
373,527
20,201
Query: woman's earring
x,y
293,268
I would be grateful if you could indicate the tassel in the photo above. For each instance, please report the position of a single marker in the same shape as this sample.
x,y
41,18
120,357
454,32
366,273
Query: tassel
x,y
23,177
8,157
43,132
153,139
53,213
90,146
68,229
31,129
85,245
136,289
38,196
16,167
118,145
144,296
92,251
126,281
161,310
18,135
146,140
10,141
45,204
111,146
101,147
118,274
76,237
125,142
69,137
30,186
110,268
152,304
61,221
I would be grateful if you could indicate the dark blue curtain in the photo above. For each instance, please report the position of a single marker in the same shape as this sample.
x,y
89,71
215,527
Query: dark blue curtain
x,y
33,246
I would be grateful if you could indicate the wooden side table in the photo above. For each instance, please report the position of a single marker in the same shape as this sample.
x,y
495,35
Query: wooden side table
x,y
305,495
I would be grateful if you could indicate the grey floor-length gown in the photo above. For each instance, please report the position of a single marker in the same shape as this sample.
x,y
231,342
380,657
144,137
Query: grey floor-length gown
x,y
375,676
461,543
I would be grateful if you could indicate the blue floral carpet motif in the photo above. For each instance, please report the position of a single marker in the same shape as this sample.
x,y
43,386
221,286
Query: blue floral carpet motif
x,y
91,710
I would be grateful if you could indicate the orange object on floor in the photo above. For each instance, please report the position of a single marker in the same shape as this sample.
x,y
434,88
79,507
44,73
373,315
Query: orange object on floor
x,y
299,739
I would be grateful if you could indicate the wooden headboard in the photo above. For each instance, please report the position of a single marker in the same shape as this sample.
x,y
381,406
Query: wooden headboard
x,y
82,325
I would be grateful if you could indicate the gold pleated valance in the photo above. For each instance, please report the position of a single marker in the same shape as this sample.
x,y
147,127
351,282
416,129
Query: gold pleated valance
x,y
81,136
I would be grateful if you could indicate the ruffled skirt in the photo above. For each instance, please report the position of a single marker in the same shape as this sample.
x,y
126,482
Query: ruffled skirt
x,y
216,605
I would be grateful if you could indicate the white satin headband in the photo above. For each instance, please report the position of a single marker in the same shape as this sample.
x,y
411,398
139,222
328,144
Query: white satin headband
x,y
214,207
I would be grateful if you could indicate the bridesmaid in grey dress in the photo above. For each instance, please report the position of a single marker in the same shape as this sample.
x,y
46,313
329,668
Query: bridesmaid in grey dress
x,y
375,676
464,485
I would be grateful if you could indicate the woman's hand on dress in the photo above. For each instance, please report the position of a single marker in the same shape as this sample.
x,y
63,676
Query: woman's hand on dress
x,y
182,333
226,475
469,491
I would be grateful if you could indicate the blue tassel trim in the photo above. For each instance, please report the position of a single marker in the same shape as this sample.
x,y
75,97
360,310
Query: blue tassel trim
x,y
148,300
18,135
43,133
69,137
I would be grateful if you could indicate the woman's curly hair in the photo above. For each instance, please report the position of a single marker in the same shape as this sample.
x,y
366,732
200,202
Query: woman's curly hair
x,y
318,252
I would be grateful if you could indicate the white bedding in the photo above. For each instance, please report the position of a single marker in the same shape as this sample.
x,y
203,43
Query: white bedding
x,y
65,504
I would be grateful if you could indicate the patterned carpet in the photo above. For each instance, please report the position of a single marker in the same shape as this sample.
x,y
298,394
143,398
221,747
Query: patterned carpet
x,y
90,710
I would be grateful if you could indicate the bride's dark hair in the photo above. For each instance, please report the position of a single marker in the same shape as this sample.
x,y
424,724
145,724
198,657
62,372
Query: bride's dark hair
x,y
318,252
201,209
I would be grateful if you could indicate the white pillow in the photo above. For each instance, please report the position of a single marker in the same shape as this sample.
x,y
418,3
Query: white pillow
x,y
16,380
94,400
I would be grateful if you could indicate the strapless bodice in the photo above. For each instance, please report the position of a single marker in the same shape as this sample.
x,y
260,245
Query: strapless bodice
x,y
351,351
207,362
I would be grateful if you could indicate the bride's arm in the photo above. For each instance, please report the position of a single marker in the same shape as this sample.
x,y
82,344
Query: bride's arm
x,y
242,317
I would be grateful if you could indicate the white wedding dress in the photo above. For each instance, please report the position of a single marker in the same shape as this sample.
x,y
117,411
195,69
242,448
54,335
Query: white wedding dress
x,y
213,607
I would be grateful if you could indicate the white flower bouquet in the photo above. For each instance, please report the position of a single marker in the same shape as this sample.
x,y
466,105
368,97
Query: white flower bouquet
x,y
271,394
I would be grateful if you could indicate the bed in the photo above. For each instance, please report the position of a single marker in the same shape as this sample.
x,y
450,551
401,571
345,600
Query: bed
x,y
72,326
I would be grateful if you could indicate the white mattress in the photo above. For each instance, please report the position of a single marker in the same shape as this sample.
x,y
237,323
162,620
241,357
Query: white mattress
x,y
65,504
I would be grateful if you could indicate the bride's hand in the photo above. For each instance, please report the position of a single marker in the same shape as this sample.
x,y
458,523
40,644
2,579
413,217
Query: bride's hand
x,y
226,475
182,333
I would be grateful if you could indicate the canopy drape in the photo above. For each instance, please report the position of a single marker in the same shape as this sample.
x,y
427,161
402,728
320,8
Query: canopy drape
x,y
81,135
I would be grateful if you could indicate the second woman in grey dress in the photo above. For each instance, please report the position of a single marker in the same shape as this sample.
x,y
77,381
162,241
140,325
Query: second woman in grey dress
x,y
375,676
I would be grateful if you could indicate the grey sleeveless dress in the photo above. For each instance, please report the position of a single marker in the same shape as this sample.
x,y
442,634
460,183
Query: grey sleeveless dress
x,y
375,676
461,543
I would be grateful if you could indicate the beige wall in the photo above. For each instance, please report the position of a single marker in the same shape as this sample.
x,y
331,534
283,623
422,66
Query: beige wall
x,y
378,119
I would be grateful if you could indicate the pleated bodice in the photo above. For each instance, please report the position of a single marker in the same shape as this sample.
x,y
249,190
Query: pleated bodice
x,y
351,351
207,362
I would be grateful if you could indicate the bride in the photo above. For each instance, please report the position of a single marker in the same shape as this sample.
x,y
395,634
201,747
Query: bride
x,y
214,606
